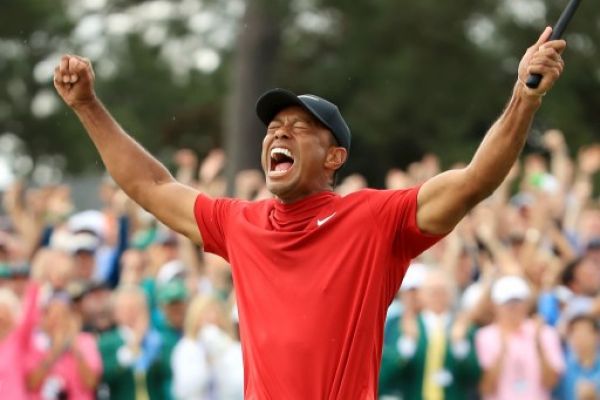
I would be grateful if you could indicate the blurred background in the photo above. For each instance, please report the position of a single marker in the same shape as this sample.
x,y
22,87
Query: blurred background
x,y
98,300
410,77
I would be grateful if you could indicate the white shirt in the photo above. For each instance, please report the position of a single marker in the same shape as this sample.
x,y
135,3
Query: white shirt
x,y
191,373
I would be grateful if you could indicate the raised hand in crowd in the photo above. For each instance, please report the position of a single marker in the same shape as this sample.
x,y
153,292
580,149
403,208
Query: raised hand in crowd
x,y
186,163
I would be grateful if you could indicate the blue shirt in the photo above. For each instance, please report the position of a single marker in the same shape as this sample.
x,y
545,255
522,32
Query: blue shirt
x,y
575,372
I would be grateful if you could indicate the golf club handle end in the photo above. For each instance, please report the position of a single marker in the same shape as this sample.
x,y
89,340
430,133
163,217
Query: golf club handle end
x,y
533,81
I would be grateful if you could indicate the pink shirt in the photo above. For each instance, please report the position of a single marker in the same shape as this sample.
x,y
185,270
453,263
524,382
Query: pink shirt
x,y
14,348
520,377
64,374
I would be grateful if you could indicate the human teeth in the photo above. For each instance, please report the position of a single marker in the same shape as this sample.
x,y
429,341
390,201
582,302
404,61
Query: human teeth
x,y
280,150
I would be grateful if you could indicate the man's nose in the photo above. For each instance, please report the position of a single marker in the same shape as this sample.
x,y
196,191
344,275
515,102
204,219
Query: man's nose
x,y
282,132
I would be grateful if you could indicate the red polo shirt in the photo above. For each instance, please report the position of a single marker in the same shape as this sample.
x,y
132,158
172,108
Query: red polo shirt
x,y
313,280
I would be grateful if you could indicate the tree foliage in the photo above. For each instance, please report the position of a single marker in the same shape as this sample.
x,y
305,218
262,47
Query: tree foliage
x,y
410,76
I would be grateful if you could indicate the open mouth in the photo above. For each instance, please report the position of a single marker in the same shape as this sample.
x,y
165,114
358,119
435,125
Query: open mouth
x,y
282,160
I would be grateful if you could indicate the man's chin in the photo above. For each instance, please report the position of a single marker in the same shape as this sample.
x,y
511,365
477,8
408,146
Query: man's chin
x,y
279,189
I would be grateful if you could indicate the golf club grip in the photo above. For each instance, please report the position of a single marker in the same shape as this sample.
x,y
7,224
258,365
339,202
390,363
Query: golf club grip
x,y
533,80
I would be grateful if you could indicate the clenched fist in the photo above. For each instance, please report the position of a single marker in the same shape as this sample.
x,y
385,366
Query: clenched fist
x,y
543,58
74,80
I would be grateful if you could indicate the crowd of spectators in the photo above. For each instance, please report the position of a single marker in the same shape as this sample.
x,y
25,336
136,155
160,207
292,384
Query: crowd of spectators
x,y
110,304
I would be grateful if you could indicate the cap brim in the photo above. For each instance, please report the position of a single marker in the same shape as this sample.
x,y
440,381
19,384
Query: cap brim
x,y
275,100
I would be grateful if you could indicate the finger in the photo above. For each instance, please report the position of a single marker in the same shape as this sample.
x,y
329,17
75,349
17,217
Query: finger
x,y
85,66
57,75
64,64
548,52
558,45
544,37
546,62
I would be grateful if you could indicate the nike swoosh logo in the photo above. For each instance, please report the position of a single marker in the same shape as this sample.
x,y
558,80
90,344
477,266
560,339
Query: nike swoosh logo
x,y
324,220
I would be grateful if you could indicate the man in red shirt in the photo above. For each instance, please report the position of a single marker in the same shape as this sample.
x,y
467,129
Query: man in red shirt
x,y
314,272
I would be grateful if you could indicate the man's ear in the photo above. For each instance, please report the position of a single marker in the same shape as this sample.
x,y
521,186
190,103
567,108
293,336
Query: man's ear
x,y
336,157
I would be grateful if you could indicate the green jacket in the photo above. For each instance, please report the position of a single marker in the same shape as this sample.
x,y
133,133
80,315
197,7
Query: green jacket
x,y
121,380
404,376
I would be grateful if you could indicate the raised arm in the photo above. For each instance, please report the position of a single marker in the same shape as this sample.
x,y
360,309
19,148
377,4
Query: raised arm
x,y
445,199
136,171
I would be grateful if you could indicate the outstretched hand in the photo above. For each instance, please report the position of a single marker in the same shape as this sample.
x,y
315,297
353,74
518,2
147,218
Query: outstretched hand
x,y
74,80
543,58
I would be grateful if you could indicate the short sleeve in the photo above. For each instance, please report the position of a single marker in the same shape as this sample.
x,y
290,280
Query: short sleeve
x,y
552,349
486,347
396,214
212,217
89,350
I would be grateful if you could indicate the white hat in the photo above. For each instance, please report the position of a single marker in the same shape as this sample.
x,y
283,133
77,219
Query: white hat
x,y
510,288
169,271
84,241
91,220
414,277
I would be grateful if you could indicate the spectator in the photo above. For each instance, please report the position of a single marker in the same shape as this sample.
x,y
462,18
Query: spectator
x,y
194,383
430,355
92,301
131,353
581,380
172,298
579,293
15,337
63,362
521,358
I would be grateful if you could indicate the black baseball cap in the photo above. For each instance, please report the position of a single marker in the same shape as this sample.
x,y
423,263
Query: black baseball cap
x,y
275,100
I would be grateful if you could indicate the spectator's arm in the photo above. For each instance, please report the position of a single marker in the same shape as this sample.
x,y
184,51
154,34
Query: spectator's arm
x,y
548,348
30,315
560,162
88,375
28,224
490,377
588,163
491,362
35,377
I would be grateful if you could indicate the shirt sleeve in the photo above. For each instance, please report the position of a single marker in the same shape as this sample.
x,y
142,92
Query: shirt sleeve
x,y
486,347
552,349
30,315
213,217
90,352
396,214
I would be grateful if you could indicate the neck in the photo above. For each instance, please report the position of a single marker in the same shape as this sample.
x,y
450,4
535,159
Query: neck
x,y
510,326
285,199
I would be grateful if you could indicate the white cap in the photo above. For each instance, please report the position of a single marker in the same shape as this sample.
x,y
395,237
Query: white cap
x,y
169,271
90,220
84,242
414,277
510,288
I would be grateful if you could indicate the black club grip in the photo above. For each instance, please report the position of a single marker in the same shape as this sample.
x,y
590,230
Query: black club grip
x,y
533,80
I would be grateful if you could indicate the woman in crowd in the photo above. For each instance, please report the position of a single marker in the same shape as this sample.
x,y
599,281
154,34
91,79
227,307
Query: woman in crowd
x,y
63,362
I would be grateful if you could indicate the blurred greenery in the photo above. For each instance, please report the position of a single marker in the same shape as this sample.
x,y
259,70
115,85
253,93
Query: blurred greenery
x,y
410,76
